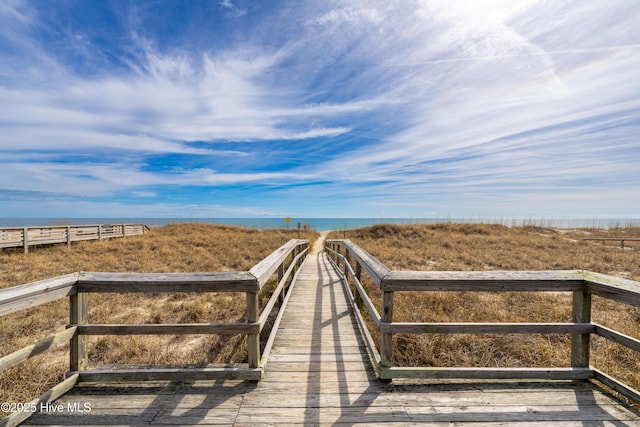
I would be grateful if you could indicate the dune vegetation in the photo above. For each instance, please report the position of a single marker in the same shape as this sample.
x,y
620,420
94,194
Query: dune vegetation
x,y
201,247
448,246
189,247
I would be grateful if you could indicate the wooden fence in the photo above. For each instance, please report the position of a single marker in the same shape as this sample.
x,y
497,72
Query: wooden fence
x,y
24,237
614,239
284,263
582,284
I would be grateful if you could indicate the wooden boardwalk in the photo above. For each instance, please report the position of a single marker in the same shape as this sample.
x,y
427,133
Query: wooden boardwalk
x,y
318,373
14,237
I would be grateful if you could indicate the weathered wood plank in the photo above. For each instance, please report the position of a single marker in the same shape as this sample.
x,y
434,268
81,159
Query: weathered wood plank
x,y
253,339
309,324
114,417
32,294
618,386
374,268
487,328
337,356
269,265
197,416
521,414
486,281
386,338
445,399
617,337
170,329
488,373
308,335
317,377
78,315
41,346
318,366
323,416
171,374
184,398
614,288
580,341
239,281
309,350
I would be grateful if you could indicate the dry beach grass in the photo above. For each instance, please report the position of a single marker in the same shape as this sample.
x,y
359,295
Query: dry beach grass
x,y
172,248
200,247
449,246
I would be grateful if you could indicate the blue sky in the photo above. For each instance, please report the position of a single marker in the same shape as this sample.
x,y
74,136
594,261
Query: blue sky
x,y
233,108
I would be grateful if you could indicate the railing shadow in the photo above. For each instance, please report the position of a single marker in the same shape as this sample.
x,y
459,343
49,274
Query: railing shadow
x,y
176,403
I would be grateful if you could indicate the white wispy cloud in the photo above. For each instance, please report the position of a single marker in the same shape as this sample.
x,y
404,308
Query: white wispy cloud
x,y
233,9
428,102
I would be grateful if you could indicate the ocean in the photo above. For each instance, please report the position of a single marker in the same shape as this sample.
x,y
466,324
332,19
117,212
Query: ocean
x,y
325,224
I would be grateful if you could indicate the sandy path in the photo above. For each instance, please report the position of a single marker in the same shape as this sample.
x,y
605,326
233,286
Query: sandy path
x,y
318,246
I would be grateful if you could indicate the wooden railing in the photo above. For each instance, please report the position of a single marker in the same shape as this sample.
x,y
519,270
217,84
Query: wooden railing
x,y
284,263
24,237
582,284
614,239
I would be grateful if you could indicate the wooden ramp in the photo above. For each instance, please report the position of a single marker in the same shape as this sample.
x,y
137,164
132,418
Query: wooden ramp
x,y
318,373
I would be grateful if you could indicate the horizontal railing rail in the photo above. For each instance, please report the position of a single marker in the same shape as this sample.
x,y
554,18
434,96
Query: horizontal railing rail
x,y
15,237
284,262
614,239
582,285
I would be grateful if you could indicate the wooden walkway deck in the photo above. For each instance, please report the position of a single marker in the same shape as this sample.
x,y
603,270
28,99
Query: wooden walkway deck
x,y
318,373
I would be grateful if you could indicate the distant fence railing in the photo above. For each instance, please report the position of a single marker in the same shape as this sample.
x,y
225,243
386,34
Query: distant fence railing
x,y
24,237
614,239
582,284
283,263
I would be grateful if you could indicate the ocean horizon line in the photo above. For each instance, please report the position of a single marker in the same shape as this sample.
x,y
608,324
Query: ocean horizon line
x,y
331,223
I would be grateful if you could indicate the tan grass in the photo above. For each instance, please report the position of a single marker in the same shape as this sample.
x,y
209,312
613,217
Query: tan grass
x,y
173,248
448,246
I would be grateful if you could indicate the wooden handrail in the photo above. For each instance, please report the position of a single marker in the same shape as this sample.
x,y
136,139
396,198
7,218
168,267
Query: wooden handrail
x,y
265,268
364,298
582,284
33,294
240,281
374,268
76,286
615,239
12,237
485,281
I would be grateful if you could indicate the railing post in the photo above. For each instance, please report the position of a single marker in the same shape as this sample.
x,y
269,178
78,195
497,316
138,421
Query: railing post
x,y
68,235
347,260
386,347
280,276
357,295
123,232
99,231
253,340
25,240
78,315
580,342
